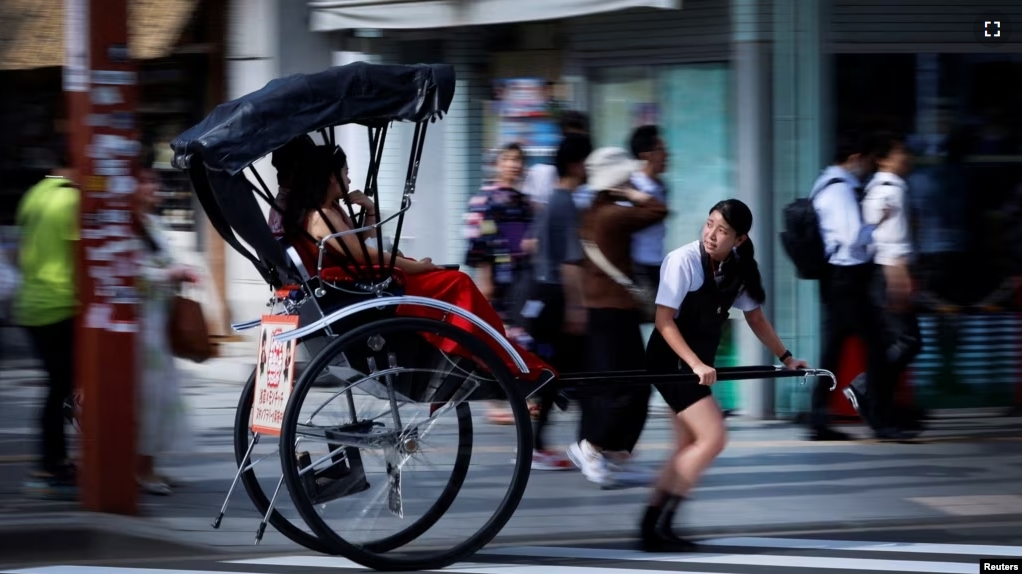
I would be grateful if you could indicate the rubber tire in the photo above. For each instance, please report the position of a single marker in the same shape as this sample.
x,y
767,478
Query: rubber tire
x,y
364,554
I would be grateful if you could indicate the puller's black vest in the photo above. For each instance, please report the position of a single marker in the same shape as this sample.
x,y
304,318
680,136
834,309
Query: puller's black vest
x,y
700,320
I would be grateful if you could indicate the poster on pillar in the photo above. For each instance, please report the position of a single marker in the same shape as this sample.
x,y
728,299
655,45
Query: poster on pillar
x,y
275,371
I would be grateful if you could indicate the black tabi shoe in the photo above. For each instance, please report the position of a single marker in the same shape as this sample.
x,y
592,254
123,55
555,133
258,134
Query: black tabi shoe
x,y
656,532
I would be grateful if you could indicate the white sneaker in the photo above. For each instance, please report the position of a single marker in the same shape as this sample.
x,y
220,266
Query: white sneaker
x,y
589,461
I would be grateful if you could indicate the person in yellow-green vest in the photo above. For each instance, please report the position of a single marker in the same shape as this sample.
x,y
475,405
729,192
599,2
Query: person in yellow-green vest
x,y
46,305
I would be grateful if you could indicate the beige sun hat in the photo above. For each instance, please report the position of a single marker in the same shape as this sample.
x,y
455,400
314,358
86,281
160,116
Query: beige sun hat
x,y
610,167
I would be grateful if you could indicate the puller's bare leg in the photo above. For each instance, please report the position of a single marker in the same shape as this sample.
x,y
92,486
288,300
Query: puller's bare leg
x,y
701,436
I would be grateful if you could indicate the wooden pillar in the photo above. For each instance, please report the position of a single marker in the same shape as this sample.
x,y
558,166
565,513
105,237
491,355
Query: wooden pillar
x,y
101,86
216,31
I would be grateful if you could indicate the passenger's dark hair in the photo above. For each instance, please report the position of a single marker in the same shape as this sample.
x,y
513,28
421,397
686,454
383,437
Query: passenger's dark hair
x,y
739,217
574,122
286,157
574,148
311,182
644,139
849,143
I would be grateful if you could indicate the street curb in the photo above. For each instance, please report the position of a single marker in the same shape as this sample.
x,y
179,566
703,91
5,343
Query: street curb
x,y
759,530
83,535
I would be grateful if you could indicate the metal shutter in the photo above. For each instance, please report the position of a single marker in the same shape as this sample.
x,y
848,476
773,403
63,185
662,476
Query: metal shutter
x,y
915,26
699,32
463,134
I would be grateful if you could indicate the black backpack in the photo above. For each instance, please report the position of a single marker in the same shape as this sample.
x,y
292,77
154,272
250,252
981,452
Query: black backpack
x,y
801,237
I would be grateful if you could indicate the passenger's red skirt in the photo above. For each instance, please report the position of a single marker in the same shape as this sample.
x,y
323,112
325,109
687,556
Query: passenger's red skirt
x,y
457,288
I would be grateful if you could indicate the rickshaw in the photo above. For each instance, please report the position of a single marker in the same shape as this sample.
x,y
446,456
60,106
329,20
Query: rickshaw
x,y
392,390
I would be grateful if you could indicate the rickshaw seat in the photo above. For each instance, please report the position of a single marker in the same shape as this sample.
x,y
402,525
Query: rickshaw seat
x,y
341,275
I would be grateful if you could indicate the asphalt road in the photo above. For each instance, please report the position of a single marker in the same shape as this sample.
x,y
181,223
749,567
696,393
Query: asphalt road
x,y
936,548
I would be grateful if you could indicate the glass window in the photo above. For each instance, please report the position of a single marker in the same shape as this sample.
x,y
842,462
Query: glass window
x,y
694,102
690,103
621,98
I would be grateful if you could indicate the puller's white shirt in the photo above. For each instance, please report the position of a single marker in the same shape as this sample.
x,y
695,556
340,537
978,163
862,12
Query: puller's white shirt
x,y
682,273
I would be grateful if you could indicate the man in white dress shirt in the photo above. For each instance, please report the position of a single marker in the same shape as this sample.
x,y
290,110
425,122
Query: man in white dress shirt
x,y
845,291
886,206
648,146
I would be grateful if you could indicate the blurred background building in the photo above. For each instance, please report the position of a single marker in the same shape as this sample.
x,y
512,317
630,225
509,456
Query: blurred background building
x,y
749,94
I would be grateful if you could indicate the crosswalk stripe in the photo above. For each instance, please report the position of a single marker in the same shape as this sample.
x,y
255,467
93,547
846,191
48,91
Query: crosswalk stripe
x,y
108,570
978,550
315,561
463,567
545,569
742,559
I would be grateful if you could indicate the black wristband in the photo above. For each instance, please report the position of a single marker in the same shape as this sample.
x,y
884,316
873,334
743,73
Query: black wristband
x,y
785,356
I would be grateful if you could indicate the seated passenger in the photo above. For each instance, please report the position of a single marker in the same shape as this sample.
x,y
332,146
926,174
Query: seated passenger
x,y
314,209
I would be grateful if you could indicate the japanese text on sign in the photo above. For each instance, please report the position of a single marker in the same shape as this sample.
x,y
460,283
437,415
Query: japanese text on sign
x,y
274,375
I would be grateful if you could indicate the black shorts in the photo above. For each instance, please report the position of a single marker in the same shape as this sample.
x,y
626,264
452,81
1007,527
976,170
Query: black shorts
x,y
678,395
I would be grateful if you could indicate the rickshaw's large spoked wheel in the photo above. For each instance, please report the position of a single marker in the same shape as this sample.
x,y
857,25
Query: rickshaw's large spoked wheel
x,y
376,473
264,473
261,480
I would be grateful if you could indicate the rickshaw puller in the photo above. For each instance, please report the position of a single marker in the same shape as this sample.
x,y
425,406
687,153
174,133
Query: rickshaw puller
x,y
699,283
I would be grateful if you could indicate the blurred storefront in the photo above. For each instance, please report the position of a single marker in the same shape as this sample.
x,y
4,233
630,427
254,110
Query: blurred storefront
x,y
949,92
749,94
179,44
167,38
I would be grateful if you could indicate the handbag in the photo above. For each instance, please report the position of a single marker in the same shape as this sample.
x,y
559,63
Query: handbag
x,y
188,332
643,295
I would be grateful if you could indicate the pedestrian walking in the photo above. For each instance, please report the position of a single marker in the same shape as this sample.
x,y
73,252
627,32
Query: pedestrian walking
x,y
162,414
648,244
497,222
556,318
699,283
849,307
616,415
542,179
886,206
46,305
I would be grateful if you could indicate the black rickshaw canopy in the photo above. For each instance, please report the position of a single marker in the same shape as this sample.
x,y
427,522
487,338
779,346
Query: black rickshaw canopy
x,y
216,151
239,132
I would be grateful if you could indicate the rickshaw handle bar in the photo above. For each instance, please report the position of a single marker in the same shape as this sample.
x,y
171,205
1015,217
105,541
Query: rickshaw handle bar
x,y
723,374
